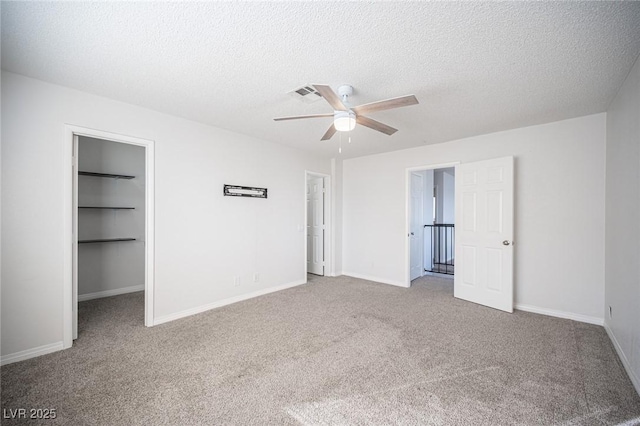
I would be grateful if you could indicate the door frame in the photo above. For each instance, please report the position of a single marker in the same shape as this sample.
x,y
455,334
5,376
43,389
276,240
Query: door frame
x,y
407,209
70,287
410,217
328,223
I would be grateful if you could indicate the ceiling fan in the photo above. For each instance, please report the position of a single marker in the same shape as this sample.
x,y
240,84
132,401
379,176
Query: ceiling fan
x,y
345,117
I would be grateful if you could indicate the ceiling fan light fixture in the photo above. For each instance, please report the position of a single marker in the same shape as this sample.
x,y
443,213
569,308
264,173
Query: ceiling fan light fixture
x,y
344,121
345,117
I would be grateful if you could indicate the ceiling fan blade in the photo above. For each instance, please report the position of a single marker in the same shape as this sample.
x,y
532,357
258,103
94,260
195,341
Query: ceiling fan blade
x,y
375,125
332,131
386,104
296,117
330,96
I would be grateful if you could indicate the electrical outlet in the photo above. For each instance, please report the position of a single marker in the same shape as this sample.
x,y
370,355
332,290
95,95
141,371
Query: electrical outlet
x,y
256,277
236,281
610,311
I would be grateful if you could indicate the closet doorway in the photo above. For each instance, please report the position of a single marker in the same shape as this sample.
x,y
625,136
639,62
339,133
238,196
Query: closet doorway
x,y
111,221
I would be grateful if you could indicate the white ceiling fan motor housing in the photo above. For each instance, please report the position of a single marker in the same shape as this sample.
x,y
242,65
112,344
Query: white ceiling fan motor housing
x,y
344,121
345,90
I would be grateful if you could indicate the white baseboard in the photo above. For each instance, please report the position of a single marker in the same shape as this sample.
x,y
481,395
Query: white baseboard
x,y
31,353
224,302
560,314
375,279
625,361
109,293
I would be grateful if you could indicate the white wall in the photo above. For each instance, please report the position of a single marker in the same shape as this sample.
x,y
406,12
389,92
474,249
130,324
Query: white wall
x,y
622,270
336,206
444,180
559,211
428,213
202,238
449,196
106,267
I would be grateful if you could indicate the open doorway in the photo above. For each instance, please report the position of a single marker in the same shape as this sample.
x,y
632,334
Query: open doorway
x,y
110,221
317,225
431,221
480,253
440,235
110,195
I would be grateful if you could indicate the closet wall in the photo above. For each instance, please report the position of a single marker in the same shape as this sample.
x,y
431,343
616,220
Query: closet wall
x,y
428,217
110,268
444,181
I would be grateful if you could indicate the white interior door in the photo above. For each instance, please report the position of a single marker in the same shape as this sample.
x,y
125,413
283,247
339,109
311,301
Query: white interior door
x,y
484,233
315,225
417,225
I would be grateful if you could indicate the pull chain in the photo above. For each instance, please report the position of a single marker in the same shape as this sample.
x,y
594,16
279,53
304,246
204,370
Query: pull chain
x,y
340,148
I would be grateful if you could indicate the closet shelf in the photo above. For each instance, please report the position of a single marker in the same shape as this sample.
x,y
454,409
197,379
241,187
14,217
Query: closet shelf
x,y
106,240
106,208
105,175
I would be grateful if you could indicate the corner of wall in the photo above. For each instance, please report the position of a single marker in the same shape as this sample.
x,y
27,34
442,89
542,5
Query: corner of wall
x,y
622,231
635,380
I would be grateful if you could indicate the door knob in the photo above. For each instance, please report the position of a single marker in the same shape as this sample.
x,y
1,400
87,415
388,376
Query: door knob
x,y
505,242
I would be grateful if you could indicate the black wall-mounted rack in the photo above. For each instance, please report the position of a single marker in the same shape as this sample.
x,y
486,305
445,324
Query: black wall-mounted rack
x,y
244,191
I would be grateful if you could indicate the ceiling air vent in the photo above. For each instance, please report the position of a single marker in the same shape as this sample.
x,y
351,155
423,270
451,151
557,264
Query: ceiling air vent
x,y
306,94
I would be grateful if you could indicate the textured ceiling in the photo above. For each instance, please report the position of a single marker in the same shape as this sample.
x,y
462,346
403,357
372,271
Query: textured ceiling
x,y
476,67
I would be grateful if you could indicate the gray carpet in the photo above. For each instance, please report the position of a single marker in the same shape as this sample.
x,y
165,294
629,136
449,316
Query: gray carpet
x,y
338,351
